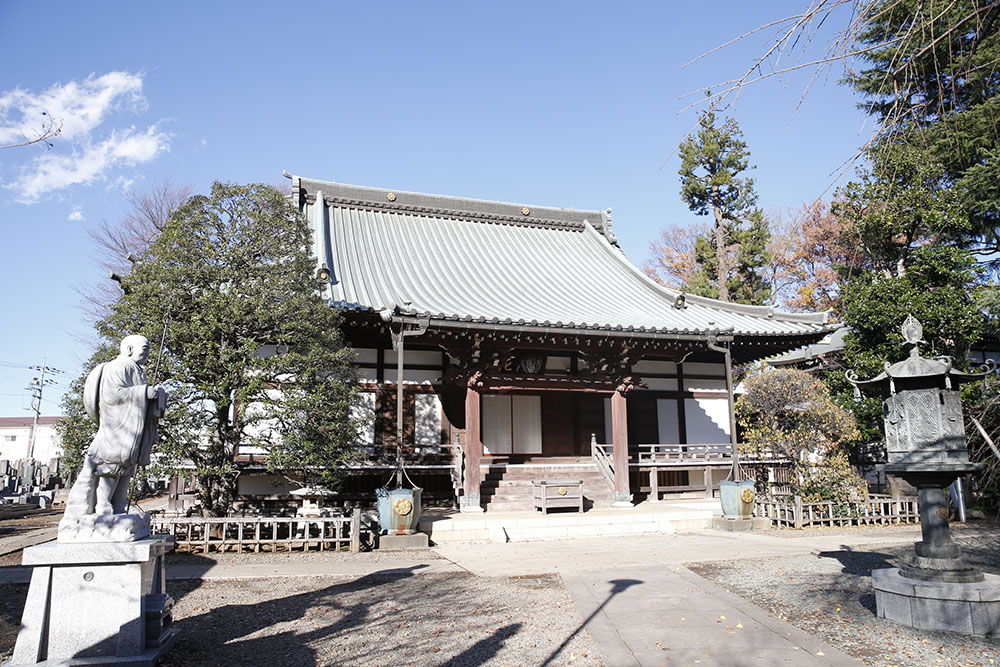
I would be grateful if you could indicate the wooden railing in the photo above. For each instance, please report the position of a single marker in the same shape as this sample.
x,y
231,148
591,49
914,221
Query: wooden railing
x,y
413,455
791,512
603,461
683,454
260,533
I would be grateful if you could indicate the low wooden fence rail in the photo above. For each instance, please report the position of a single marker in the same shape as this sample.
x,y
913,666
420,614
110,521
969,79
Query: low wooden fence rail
x,y
262,533
791,512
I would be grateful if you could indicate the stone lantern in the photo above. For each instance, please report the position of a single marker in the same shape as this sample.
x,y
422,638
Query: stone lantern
x,y
926,446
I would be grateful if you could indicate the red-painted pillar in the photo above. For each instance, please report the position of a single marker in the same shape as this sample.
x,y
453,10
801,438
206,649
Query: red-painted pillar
x,y
473,447
619,443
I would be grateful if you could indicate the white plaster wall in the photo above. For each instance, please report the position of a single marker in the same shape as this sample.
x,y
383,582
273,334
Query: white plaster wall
x,y
707,420
694,384
366,409
527,424
648,366
427,431
699,368
496,424
661,384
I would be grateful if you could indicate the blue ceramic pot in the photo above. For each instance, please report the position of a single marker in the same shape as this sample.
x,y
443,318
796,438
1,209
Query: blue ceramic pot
x,y
732,506
398,510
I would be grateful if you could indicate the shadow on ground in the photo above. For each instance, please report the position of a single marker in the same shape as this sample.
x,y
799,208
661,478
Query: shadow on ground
x,y
389,617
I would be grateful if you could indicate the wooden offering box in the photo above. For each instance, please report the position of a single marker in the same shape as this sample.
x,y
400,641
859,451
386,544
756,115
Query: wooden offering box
x,y
549,494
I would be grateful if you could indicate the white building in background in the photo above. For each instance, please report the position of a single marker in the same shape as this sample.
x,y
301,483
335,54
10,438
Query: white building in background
x,y
15,436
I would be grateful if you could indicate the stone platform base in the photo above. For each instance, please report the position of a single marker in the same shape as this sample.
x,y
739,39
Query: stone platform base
x,y
403,542
98,603
147,658
740,525
972,609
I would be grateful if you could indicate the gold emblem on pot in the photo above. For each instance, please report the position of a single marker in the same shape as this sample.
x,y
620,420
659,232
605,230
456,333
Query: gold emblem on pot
x,y
402,507
747,495
562,490
942,512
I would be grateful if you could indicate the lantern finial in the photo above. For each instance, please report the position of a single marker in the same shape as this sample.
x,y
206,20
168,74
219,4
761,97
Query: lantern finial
x,y
912,330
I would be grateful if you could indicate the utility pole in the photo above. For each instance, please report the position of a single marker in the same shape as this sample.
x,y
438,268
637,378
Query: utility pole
x,y
36,387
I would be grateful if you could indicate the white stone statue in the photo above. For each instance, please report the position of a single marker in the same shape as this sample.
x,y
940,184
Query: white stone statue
x,y
118,396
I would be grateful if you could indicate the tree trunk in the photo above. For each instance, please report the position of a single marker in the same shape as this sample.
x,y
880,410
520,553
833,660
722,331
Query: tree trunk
x,y
721,254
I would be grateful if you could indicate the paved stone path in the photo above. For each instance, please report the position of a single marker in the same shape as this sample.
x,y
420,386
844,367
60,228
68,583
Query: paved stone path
x,y
643,607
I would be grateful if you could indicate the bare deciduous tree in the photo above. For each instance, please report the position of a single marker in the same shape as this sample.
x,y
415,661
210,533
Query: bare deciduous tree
x,y
917,54
49,128
145,218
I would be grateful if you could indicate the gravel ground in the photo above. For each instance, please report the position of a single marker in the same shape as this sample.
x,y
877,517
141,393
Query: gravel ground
x,y
958,530
829,595
49,518
426,619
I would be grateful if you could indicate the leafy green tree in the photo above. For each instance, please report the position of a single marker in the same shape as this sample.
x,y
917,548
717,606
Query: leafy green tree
x,y
788,413
931,79
911,227
904,202
731,256
229,278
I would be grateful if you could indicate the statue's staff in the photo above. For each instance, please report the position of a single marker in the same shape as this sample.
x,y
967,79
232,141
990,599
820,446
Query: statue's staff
x,y
159,354
156,373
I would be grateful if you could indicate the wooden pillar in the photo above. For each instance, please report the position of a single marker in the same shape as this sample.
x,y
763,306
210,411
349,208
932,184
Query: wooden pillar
x,y
619,443
709,489
473,448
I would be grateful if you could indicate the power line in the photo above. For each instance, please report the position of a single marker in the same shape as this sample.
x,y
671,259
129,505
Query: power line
x,y
49,369
36,386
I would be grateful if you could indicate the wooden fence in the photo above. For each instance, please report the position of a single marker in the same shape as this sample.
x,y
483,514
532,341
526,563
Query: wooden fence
x,y
262,533
791,512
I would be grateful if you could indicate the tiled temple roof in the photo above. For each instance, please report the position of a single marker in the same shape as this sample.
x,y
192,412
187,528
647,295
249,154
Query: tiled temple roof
x,y
471,261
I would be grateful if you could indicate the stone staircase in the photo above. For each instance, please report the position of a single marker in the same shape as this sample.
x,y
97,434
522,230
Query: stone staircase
x,y
508,487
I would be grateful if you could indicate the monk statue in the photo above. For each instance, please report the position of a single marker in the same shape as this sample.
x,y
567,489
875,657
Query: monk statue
x,y
118,396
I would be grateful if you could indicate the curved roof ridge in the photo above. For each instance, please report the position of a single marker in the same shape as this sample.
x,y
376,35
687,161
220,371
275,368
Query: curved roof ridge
x,y
741,308
303,190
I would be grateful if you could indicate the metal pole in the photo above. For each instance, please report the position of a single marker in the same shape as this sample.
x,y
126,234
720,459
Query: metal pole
x,y
735,470
399,407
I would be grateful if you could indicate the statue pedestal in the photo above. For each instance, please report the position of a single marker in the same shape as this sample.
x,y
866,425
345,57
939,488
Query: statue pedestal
x,y
98,603
971,608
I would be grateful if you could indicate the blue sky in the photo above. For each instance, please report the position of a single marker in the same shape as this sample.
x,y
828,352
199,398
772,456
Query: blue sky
x,y
570,104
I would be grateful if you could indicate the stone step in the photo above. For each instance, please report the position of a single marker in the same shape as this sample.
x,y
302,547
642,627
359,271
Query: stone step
x,y
529,481
508,506
522,492
514,492
529,484
538,472
529,500
533,525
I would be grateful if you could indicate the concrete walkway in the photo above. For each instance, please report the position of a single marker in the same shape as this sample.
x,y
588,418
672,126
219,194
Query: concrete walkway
x,y
642,606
